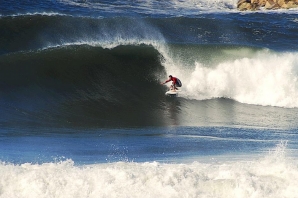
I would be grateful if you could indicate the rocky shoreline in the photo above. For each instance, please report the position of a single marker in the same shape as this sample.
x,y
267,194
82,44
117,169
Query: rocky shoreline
x,y
252,5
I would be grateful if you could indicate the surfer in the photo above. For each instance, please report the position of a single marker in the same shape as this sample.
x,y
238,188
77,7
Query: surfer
x,y
176,82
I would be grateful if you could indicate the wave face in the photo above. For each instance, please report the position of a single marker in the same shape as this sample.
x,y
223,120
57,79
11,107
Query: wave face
x,y
78,81
78,69
94,86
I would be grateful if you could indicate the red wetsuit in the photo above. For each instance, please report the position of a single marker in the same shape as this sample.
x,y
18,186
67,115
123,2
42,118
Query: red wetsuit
x,y
174,79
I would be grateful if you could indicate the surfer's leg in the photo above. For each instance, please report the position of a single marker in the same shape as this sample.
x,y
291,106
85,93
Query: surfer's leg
x,y
176,87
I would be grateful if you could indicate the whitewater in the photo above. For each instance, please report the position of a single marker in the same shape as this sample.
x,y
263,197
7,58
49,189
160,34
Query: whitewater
x,y
84,114
274,175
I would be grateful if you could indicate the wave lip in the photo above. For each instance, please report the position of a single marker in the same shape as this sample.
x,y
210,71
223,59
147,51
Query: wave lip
x,y
34,14
39,31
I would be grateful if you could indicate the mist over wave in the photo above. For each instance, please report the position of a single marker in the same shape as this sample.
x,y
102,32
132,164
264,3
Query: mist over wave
x,y
41,31
38,31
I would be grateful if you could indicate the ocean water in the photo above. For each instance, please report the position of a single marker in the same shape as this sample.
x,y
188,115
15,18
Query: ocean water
x,y
83,113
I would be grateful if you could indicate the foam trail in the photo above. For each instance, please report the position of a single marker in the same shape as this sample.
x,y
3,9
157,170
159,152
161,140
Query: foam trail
x,y
272,176
35,14
207,5
150,6
265,79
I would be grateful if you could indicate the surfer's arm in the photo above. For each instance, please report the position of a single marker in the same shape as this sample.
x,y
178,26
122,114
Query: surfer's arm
x,y
166,81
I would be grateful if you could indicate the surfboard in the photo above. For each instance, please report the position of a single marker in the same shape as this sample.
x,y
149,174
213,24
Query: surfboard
x,y
172,93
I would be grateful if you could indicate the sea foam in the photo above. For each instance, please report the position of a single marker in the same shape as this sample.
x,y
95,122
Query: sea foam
x,y
274,175
268,79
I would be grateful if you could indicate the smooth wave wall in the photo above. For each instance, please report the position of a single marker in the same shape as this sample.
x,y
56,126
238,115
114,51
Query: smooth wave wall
x,y
81,83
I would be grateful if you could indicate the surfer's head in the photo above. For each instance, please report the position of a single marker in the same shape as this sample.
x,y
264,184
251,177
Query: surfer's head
x,y
170,76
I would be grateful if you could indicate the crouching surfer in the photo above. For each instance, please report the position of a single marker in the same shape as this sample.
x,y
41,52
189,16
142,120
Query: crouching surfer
x,y
176,82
